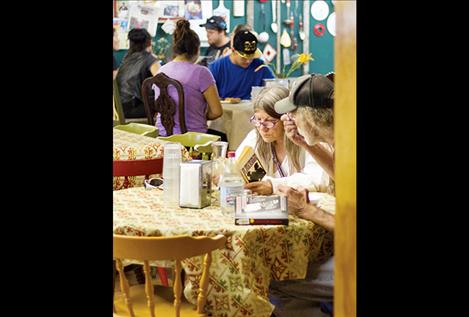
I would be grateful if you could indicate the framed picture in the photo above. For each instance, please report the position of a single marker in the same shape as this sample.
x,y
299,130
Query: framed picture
x,y
170,10
143,16
121,9
193,10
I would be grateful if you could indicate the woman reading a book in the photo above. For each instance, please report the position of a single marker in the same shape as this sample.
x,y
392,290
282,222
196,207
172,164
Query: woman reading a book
x,y
284,162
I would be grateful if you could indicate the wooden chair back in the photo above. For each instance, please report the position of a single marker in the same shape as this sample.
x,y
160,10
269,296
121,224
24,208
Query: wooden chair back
x,y
164,104
145,167
176,248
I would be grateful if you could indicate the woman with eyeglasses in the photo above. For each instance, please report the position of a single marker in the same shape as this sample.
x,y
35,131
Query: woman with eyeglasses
x,y
285,162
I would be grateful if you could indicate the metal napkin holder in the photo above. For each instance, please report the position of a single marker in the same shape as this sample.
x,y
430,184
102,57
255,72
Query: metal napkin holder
x,y
196,184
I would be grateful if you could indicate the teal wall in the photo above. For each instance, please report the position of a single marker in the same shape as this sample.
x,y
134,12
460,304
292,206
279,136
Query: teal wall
x,y
322,48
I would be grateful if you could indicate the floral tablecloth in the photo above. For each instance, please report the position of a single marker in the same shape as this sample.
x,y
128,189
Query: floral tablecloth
x,y
241,272
131,146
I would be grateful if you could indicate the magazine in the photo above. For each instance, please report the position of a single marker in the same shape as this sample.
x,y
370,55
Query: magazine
x,y
250,166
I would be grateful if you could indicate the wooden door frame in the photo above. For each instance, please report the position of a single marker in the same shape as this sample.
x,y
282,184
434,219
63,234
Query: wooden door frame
x,y
345,164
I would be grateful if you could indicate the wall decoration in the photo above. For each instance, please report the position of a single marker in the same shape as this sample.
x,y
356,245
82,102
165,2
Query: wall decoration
x,y
193,10
269,53
121,26
331,24
143,16
169,26
319,29
170,9
206,12
223,12
238,8
274,25
122,9
319,10
263,36
286,57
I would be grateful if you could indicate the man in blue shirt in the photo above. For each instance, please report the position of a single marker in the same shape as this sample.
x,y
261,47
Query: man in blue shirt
x,y
236,73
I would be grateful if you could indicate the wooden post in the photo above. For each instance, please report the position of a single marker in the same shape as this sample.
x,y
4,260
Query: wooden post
x,y
345,169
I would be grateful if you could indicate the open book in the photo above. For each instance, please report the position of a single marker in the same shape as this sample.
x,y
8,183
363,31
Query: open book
x,y
249,166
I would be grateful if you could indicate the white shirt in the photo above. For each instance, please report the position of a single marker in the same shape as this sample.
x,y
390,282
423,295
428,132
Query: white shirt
x,y
311,176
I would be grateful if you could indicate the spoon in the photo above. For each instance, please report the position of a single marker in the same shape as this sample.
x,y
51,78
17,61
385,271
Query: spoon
x,y
274,25
264,36
301,31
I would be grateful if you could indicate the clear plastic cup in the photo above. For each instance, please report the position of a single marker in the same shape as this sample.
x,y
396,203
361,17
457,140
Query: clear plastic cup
x,y
219,149
171,164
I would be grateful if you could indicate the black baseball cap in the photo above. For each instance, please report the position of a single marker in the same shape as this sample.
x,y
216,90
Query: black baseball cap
x,y
245,44
320,92
215,22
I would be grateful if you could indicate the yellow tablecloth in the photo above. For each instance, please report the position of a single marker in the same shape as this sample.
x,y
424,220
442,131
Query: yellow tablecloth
x,y
241,272
131,146
234,122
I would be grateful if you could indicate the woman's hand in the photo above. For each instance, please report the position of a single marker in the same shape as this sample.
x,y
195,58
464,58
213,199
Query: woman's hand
x,y
261,188
297,199
292,131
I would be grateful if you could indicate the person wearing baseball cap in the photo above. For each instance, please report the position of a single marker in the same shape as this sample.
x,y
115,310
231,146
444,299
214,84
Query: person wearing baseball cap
x,y
308,122
217,38
237,73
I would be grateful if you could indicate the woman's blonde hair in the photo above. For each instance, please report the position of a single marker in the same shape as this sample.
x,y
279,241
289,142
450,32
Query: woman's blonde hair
x,y
265,101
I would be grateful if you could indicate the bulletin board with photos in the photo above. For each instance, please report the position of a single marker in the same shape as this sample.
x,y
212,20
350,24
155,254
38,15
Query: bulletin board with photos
x,y
155,14
320,33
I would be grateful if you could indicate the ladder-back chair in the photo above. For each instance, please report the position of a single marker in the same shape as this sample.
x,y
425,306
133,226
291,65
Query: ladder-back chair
x,y
175,248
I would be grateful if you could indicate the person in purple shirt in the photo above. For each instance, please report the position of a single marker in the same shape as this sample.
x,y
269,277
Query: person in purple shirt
x,y
238,72
201,100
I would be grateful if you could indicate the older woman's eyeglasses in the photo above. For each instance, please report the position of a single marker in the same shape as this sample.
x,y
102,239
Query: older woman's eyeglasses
x,y
269,124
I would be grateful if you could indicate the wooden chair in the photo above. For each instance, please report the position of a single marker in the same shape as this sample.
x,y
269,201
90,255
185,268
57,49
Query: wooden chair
x,y
164,104
176,248
120,111
137,168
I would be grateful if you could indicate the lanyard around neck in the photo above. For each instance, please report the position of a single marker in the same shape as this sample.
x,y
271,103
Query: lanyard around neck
x,y
277,163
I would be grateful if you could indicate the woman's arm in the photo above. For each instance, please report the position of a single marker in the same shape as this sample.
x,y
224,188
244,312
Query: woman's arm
x,y
214,109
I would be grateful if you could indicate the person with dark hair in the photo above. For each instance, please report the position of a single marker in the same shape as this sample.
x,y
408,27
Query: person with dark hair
x,y
201,100
237,73
308,121
217,38
138,64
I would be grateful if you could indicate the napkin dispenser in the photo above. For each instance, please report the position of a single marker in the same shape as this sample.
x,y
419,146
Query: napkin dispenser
x,y
196,184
